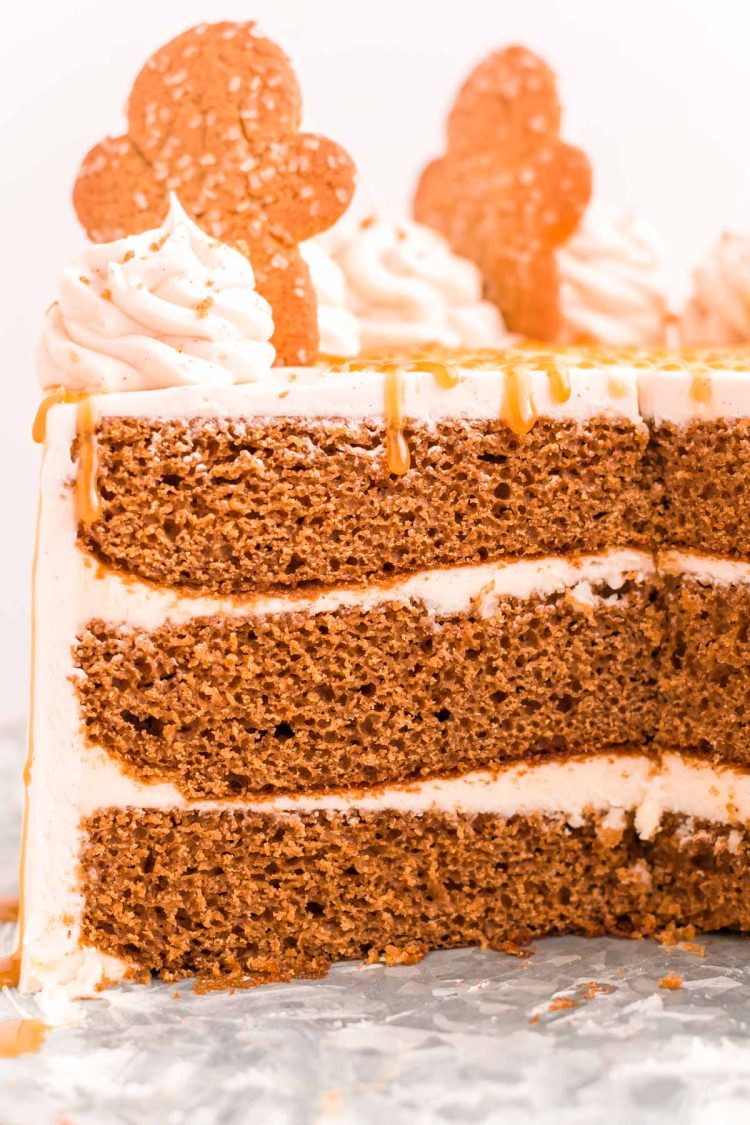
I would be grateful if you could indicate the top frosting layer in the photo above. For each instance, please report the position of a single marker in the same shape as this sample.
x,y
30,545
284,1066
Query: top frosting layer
x,y
611,286
404,288
161,309
719,310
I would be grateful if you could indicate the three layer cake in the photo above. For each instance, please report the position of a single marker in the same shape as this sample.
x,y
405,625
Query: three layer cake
x,y
376,654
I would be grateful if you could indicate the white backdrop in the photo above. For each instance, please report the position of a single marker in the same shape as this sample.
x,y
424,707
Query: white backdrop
x,y
656,91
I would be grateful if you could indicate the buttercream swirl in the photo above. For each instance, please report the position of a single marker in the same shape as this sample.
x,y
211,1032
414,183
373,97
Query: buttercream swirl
x,y
718,313
611,286
406,288
338,327
168,307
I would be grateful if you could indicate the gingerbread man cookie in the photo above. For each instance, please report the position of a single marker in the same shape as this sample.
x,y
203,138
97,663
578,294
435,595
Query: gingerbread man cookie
x,y
508,191
214,116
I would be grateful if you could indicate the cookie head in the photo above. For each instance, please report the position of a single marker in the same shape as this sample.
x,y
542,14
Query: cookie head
x,y
214,116
222,79
509,101
508,191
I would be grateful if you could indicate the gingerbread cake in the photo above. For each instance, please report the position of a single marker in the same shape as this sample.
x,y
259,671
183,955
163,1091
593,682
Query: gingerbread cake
x,y
383,652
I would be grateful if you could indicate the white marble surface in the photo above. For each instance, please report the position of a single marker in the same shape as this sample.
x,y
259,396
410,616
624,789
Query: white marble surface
x,y
464,1036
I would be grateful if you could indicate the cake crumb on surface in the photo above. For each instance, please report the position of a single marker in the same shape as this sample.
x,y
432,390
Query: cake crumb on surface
x,y
562,1003
692,947
594,989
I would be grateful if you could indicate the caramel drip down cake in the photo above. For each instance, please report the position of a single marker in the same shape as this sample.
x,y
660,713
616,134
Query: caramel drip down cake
x,y
295,702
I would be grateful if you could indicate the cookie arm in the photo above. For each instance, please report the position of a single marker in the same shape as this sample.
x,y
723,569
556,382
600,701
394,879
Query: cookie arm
x,y
315,188
115,193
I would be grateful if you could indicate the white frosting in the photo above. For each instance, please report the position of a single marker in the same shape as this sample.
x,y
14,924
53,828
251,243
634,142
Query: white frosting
x,y
318,394
612,289
53,959
567,787
719,310
338,327
670,396
407,288
623,390
169,307
104,594
708,570
443,591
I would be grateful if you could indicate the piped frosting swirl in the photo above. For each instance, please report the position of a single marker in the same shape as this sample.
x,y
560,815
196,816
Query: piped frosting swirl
x,y
405,289
338,327
611,286
718,313
165,308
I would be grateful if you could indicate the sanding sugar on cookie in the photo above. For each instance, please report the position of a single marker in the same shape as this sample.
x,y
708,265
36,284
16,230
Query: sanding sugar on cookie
x,y
508,192
214,116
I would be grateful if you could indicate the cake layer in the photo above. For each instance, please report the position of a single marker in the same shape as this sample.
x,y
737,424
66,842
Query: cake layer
x,y
444,673
698,411
705,663
292,481
233,506
240,894
702,498
80,790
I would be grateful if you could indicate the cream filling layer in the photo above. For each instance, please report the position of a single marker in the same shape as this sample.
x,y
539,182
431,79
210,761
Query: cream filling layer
x,y
567,787
708,570
106,595
103,594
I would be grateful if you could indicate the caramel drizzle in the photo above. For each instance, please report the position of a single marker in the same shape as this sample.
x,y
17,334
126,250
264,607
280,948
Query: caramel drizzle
x,y
558,377
39,425
518,410
87,499
617,387
397,455
444,374
10,967
9,909
21,1037
588,356
701,389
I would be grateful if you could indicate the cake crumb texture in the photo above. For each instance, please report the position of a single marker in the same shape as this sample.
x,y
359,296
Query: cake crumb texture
x,y
702,498
704,670
235,894
228,707
233,507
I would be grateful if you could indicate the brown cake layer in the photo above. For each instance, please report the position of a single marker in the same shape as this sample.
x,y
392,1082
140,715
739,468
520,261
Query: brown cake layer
x,y
702,498
233,506
227,894
705,670
225,707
